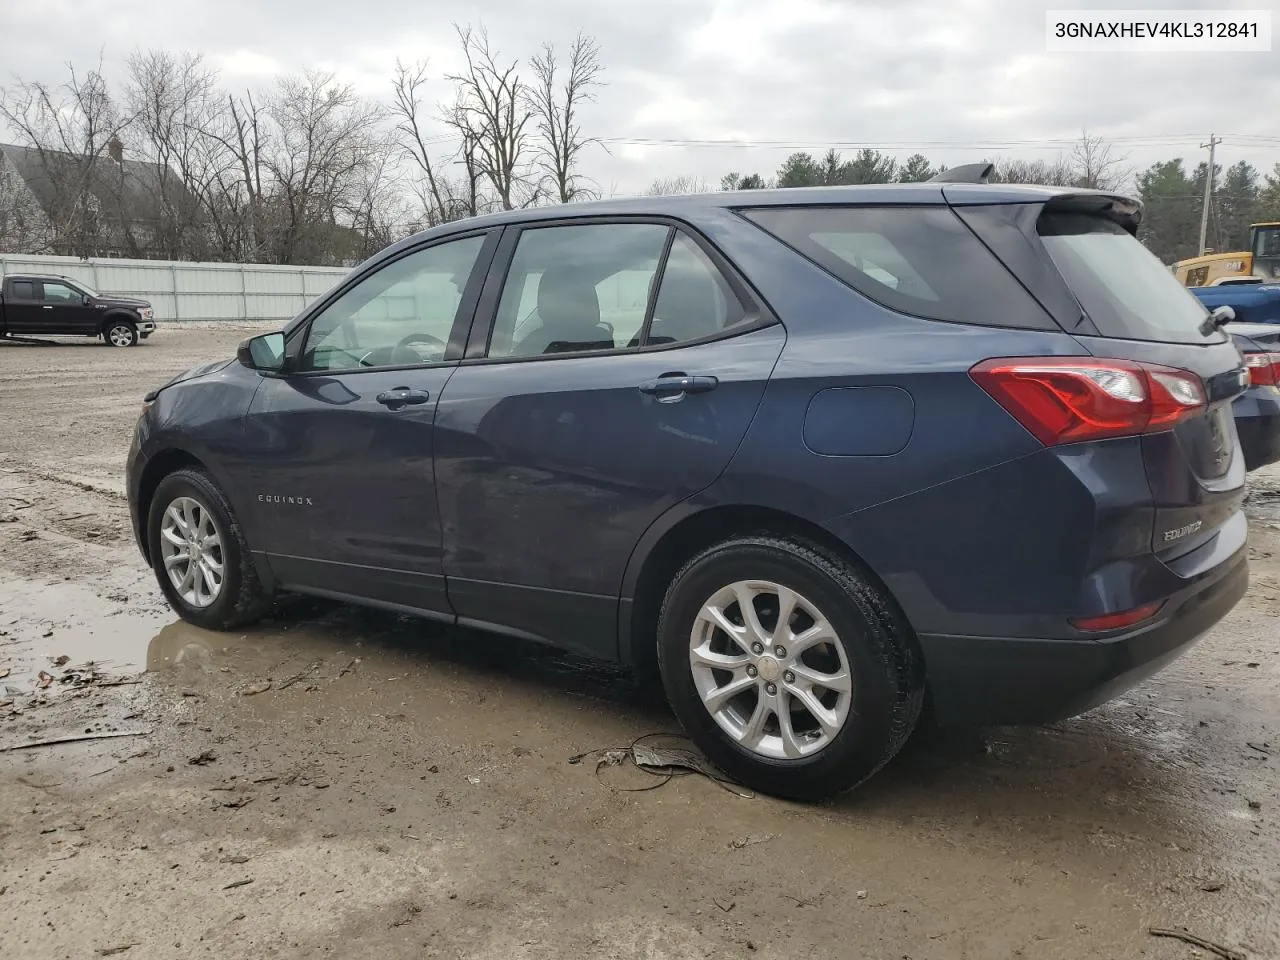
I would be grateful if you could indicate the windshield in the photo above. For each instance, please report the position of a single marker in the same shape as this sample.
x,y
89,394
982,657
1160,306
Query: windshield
x,y
1126,291
85,288
1266,242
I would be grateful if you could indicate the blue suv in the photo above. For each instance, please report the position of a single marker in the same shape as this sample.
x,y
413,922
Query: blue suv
x,y
819,457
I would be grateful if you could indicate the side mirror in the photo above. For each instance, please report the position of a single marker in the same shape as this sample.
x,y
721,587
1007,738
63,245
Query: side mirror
x,y
265,352
1223,314
86,299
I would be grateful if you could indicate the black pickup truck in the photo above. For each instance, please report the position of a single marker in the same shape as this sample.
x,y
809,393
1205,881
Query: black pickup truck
x,y
37,305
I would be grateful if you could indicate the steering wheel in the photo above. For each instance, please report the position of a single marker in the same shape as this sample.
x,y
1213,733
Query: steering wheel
x,y
422,338
401,353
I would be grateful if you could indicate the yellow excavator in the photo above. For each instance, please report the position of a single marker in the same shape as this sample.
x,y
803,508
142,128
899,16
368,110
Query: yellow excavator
x,y
1262,259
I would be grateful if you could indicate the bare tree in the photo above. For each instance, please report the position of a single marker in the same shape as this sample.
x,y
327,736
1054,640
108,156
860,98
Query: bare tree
x,y
178,111
433,188
1056,173
1096,166
68,128
325,140
492,115
669,186
235,197
555,98
379,214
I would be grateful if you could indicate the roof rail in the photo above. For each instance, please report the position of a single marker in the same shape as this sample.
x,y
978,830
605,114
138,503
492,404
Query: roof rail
x,y
965,173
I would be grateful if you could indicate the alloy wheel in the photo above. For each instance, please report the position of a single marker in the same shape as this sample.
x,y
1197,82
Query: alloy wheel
x,y
770,669
191,549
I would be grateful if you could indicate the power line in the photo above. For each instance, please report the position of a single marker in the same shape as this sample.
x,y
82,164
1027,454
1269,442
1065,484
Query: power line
x,y
891,144
1150,140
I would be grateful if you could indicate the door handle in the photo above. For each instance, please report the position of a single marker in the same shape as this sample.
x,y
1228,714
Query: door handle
x,y
673,386
402,396
46,308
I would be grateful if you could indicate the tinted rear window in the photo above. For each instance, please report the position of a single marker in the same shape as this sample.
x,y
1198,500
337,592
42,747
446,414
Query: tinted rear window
x,y
24,290
1123,287
921,261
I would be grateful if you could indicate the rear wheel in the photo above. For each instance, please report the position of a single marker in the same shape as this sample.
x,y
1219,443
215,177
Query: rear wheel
x,y
789,669
120,333
199,554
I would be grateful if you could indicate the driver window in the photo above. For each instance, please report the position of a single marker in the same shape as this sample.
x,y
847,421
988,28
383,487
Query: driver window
x,y
60,293
400,316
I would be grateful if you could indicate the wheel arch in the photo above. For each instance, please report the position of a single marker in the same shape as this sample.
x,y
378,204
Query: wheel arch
x,y
663,551
159,466
111,316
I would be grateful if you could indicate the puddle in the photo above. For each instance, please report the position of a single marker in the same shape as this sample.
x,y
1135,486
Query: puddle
x,y
127,633
42,620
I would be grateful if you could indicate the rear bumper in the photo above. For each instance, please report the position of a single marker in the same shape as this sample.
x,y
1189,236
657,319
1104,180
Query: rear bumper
x,y
1257,416
992,681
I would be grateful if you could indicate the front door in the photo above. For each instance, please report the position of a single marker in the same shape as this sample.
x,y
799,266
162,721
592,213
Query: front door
x,y
63,310
611,388
343,445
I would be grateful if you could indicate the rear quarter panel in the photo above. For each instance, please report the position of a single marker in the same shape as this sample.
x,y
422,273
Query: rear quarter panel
x,y
949,510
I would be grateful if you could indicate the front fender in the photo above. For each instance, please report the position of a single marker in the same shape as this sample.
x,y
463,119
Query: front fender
x,y
201,419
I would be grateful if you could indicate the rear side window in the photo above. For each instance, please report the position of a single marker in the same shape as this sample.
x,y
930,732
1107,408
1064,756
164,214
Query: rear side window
x,y
24,290
694,300
921,261
1123,287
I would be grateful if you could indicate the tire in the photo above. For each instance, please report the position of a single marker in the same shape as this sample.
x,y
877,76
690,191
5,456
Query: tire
x,y
120,333
869,641
240,598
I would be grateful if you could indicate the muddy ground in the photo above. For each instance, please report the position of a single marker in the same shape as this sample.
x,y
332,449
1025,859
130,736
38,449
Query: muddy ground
x,y
343,783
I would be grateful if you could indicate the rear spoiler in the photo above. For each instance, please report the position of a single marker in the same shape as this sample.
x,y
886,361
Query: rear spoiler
x,y
1125,211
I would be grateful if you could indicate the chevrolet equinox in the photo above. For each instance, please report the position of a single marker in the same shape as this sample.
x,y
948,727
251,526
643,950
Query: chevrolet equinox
x,y
816,456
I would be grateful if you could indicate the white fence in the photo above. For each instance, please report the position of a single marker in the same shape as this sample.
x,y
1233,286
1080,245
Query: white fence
x,y
193,291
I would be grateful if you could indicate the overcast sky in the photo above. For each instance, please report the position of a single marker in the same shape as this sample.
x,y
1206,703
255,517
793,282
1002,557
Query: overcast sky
x,y
940,76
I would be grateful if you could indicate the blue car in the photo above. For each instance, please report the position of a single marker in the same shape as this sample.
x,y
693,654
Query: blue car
x,y
1257,410
818,457
1252,302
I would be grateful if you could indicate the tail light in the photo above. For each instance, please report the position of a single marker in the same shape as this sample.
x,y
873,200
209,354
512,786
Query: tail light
x,y
1117,621
1071,399
1264,369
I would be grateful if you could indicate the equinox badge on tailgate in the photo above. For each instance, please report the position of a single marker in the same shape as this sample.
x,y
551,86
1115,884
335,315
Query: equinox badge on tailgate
x,y
1180,532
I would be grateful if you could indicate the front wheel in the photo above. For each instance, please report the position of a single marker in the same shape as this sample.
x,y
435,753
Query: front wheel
x,y
199,554
790,670
120,333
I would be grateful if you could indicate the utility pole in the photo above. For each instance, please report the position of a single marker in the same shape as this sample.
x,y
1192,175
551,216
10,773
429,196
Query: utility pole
x,y
1208,191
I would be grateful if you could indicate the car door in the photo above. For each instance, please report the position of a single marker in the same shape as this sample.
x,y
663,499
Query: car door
x,y
62,309
613,369
341,446
22,306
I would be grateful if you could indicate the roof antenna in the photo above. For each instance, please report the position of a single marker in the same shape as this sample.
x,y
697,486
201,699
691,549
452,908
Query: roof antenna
x,y
965,173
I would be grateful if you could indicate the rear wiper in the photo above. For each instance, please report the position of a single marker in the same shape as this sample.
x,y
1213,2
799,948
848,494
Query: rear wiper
x,y
1216,320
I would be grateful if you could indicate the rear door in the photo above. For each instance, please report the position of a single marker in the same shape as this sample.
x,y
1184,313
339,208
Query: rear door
x,y
22,306
1120,301
615,374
